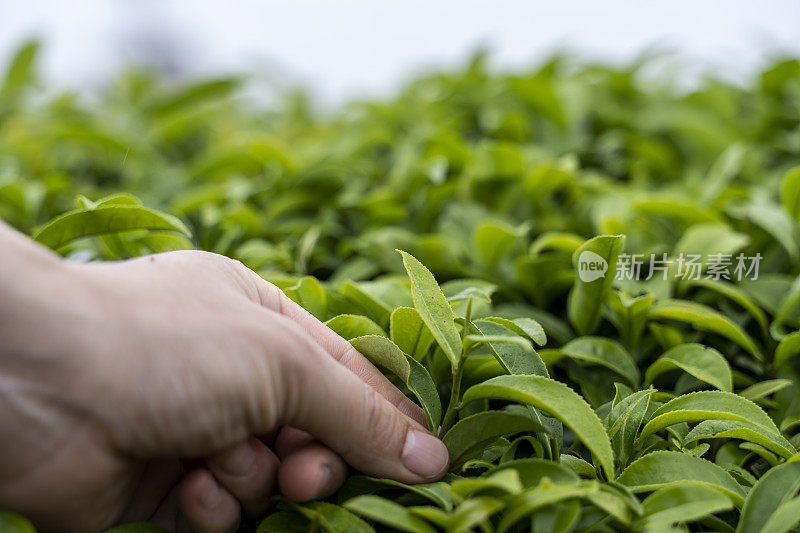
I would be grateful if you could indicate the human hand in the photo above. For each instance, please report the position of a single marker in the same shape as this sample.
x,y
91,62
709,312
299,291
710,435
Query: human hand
x,y
183,389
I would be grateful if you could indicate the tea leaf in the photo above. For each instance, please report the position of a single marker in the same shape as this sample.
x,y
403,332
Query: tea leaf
x,y
775,488
433,308
707,405
703,318
524,327
409,332
388,513
600,351
666,469
104,220
586,299
733,429
790,192
351,326
704,363
467,438
382,351
516,358
682,503
556,398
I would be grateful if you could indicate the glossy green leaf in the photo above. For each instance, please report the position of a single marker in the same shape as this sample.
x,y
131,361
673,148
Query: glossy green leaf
x,y
516,358
790,192
559,400
596,262
703,318
309,293
707,405
104,220
734,429
383,352
409,332
774,488
682,503
664,469
787,349
525,327
468,436
704,363
388,513
433,308
14,523
332,518
603,352
351,326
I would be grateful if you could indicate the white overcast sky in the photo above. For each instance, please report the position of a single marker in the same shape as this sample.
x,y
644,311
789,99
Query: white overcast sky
x,y
346,48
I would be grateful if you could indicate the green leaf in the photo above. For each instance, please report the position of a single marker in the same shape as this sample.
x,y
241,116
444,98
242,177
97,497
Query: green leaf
x,y
787,349
21,73
682,503
492,239
433,308
704,363
772,218
785,517
787,310
707,405
735,429
104,220
471,513
623,423
586,298
790,192
629,315
467,438
578,465
524,327
284,522
409,332
600,351
733,293
710,238
556,398
438,492
14,523
532,470
332,518
499,483
309,293
703,318
543,495
661,469
774,488
516,358
382,351
351,326
763,389
388,513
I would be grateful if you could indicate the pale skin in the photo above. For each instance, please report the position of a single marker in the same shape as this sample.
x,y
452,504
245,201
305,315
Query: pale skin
x,y
184,390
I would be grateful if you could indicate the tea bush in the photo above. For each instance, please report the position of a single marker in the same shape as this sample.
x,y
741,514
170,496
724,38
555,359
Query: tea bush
x,y
597,301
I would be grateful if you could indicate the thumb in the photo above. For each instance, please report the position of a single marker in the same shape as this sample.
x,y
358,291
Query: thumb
x,y
351,418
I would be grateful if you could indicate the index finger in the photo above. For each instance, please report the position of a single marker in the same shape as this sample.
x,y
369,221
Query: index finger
x,y
274,299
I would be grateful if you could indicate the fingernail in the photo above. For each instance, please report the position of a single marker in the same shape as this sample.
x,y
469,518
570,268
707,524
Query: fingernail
x,y
324,488
424,454
240,460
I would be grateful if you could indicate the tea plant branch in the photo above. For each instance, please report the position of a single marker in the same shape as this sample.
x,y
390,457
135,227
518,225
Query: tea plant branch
x,y
458,370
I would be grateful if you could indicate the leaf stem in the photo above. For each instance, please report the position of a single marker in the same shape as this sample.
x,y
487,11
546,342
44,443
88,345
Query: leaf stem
x,y
458,370
455,393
